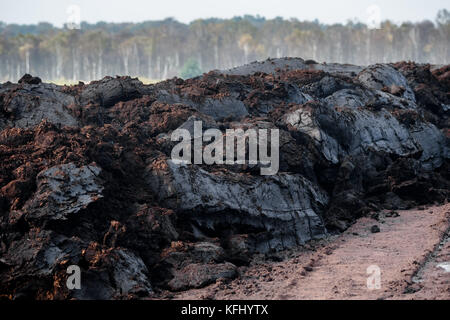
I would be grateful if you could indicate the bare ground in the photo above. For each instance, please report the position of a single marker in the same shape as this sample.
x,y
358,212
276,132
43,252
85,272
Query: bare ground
x,y
412,251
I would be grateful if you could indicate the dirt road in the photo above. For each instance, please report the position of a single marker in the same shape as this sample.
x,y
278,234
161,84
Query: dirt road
x,y
409,258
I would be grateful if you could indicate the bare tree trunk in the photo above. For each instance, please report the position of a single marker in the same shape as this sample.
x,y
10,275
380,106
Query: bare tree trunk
x,y
27,61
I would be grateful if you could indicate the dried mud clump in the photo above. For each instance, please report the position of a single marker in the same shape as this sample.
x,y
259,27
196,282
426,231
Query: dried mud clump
x,y
86,177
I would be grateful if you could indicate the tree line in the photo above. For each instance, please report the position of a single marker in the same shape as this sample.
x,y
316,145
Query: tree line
x,y
161,49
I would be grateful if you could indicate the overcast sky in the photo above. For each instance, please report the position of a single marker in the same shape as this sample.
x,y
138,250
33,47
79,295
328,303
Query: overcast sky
x,y
327,11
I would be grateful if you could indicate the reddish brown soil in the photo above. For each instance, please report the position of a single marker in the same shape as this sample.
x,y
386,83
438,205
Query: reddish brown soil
x,y
408,250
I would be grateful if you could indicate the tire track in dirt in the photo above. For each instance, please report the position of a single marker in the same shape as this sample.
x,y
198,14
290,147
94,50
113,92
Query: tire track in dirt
x,y
408,245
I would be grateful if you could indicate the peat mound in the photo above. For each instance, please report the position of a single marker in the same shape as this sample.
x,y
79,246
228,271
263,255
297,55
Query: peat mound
x,y
87,178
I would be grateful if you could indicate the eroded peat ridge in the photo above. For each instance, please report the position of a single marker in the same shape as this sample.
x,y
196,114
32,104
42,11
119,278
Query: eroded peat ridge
x,y
87,180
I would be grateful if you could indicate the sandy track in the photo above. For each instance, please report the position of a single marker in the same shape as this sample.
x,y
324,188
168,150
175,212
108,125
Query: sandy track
x,y
411,252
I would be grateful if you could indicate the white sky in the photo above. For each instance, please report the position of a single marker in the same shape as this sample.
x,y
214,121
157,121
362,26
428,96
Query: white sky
x,y
327,11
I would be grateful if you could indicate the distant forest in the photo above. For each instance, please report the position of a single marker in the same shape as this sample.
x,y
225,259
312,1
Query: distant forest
x,y
162,49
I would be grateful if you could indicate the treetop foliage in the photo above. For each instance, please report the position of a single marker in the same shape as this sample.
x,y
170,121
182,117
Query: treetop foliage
x,y
163,49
